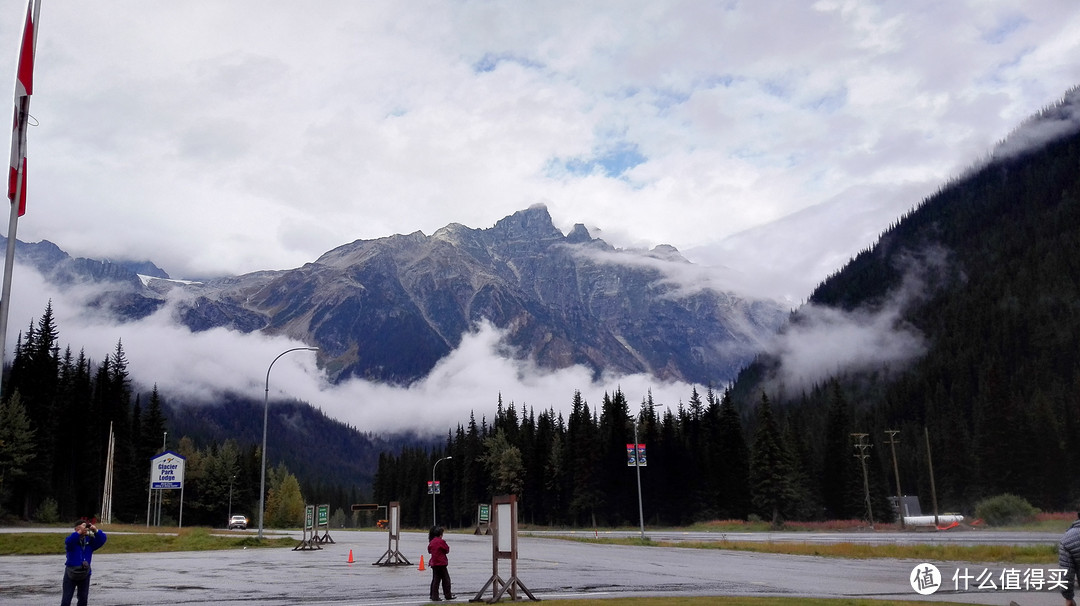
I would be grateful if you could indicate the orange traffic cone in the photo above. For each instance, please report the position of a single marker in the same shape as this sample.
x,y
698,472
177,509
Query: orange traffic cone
x,y
350,557
421,563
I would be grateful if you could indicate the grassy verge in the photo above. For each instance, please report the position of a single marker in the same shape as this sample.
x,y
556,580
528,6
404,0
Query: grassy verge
x,y
1014,554
1042,522
139,541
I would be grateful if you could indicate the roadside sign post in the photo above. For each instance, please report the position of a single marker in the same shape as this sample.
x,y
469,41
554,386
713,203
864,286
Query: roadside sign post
x,y
310,540
483,519
393,556
370,507
167,473
322,521
504,546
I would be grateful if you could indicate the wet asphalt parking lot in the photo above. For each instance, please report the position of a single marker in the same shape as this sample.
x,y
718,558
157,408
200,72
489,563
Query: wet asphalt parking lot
x,y
548,567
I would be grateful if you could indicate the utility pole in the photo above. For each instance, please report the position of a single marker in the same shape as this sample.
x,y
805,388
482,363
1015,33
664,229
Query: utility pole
x,y
861,446
930,463
896,471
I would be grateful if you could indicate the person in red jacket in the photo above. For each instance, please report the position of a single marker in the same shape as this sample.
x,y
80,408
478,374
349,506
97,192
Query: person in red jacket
x,y
438,549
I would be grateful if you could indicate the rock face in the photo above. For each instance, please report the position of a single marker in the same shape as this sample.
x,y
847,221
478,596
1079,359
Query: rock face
x,y
388,309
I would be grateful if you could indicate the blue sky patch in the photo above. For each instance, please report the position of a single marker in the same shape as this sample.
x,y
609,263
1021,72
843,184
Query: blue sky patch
x,y
612,161
1005,28
490,62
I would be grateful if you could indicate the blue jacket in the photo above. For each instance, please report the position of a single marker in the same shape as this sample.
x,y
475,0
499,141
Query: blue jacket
x,y
81,548
1069,557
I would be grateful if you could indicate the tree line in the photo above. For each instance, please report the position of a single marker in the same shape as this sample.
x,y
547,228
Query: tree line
x,y
55,419
705,460
58,410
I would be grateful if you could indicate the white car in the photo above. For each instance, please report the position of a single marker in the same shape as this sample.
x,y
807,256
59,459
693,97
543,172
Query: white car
x,y
238,522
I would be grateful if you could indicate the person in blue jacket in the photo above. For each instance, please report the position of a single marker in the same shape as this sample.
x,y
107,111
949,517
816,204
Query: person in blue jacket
x,y
80,547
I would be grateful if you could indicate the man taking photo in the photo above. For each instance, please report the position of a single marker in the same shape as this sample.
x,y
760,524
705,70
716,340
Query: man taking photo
x,y
80,547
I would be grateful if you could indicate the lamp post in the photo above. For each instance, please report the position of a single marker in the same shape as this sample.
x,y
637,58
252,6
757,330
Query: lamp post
x,y
266,407
433,488
637,468
231,480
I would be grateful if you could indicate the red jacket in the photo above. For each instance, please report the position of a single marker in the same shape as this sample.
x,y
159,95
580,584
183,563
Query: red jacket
x,y
438,550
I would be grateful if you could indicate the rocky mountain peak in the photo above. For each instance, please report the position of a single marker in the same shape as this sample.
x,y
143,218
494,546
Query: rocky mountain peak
x,y
533,223
578,234
389,309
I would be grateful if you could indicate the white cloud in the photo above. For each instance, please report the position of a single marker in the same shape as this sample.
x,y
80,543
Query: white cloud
x,y
201,366
226,138
773,140
830,341
1053,123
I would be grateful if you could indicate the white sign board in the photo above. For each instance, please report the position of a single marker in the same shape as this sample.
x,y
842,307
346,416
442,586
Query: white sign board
x,y
167,471
504,531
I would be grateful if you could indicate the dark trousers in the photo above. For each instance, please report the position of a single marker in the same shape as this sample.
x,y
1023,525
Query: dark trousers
x,y
70,586
439,574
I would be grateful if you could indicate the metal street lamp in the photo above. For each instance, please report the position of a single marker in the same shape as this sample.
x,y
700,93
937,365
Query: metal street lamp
x,y
231,480
433,488
637,468
266,407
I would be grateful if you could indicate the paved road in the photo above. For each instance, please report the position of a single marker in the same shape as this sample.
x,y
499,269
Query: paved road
x,y
928,537
549,568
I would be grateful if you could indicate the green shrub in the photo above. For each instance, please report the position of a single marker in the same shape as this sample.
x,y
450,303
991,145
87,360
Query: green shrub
x,y
48,512
1004,510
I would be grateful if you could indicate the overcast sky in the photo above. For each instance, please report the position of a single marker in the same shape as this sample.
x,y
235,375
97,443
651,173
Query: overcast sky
x,y
769,141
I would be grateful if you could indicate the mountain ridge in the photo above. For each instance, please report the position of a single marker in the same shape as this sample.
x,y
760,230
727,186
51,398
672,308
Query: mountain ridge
x,y
388,309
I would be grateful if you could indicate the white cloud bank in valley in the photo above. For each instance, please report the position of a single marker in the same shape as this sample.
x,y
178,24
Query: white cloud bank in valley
x,y
199,366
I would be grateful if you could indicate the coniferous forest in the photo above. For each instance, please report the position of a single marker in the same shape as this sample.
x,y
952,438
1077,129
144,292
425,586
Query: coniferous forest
x,y
55,420
56,417
985,272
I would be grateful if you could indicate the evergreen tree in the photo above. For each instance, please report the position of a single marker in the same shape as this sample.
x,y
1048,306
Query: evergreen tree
x,y
153,428
771,475
841,482
16,444
284,501
582,455
34,376
502,460
614,431
733,471
554,495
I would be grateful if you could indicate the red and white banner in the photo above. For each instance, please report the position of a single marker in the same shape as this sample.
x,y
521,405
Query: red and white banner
x,y
24,87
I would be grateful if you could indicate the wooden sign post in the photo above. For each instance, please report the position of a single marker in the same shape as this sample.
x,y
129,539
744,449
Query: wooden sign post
x,y
393,556
322,521
310,540
504,546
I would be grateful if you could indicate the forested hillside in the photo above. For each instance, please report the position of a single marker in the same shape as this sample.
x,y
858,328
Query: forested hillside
x,y
985,273
54,428
58,409
997,392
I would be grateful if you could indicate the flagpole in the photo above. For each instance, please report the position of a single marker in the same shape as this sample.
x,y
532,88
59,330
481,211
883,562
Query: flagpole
x,y
20,123
9,262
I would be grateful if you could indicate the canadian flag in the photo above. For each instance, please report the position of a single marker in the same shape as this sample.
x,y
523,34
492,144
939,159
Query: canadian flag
x,y
24,87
